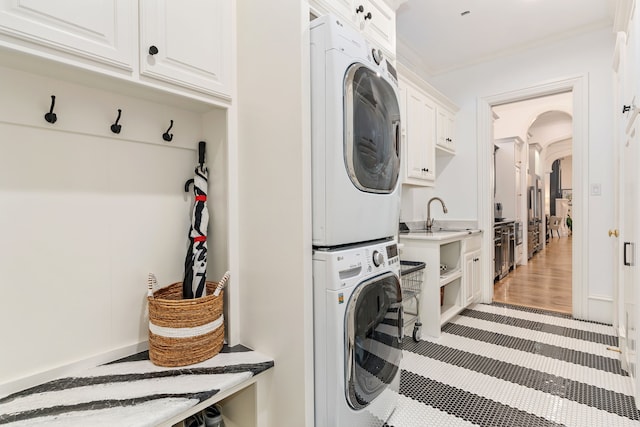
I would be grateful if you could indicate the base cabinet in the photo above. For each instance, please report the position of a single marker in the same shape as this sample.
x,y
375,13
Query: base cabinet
x,y
472,271
452,278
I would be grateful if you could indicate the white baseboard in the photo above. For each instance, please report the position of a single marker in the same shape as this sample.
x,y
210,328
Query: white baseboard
x,y
600,309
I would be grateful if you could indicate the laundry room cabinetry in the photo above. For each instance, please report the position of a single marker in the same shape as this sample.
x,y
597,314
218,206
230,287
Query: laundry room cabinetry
x,y
472,269
183,49
446,127
103,32
428,126
452,274
187,44
418,113
375,18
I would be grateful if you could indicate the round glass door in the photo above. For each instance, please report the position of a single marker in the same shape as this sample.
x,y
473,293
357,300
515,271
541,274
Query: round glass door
x,y
372,131
373,337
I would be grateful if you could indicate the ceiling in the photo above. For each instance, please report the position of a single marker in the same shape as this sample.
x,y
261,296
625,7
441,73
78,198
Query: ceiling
x,y
435,36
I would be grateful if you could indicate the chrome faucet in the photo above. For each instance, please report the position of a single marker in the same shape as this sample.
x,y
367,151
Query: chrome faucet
x,y
429,219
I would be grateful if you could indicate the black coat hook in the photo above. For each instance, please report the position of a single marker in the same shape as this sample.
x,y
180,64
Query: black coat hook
x,y
116,128
168,136
51,116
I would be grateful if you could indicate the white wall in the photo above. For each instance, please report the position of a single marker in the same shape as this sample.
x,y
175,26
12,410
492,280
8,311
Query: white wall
x,y
586,54
86,214
566,168
275,204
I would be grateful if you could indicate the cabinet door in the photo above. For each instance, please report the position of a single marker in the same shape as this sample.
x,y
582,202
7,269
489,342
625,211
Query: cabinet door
x,y
342,8
420,128
192,42
477,277
630,241
446,128
378,22
471,277
467,277
103,31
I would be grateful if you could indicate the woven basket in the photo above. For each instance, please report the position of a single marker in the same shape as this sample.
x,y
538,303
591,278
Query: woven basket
x,y
184,331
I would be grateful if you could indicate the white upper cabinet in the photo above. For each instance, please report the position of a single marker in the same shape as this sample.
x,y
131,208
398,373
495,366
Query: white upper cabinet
x,y
101,31
419,134
378,21
375,18
187,43
179,47
446,130
428,124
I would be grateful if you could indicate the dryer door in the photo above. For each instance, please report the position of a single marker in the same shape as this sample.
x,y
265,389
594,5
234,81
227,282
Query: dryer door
x,y
373,337
372,131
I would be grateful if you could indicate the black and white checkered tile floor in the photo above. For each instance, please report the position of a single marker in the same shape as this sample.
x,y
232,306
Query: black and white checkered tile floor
x,y
501,365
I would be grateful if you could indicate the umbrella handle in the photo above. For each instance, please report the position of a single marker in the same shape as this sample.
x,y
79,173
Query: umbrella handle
x,y
201,150
187,184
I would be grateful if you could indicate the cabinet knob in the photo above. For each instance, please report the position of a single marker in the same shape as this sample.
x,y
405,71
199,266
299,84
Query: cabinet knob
x,y
425,170
367,16
360,9
153,50
626,108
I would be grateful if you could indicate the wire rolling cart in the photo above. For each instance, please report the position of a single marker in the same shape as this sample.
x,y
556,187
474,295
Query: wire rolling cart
x,y
411,283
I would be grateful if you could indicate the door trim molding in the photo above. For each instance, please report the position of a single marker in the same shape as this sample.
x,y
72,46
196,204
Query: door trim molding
x,y
578,85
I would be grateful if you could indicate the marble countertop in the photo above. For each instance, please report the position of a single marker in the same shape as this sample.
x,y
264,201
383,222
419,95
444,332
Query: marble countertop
x,y
440,234
131,391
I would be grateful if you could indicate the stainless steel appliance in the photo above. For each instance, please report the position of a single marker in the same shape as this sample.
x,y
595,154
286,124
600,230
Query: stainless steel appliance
x,y
533,237
512,246
518,233
497,212
497,254
503,240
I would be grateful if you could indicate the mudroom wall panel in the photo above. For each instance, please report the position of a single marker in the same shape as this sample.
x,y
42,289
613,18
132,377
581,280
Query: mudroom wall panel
x,y
85,215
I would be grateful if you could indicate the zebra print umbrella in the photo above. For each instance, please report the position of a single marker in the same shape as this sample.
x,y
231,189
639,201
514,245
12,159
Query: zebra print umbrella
x,y
195,262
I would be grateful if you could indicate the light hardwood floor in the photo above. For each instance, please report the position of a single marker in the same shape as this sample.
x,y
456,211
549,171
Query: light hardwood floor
x,y
545,282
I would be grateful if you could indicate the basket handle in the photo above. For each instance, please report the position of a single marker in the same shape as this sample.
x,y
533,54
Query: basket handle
x,y
221,284
152,283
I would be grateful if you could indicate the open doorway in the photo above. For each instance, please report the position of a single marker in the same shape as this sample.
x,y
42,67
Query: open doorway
x,y
532,196
577,86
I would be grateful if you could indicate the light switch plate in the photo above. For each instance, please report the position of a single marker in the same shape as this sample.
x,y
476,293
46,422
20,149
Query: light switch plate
x,y
596,190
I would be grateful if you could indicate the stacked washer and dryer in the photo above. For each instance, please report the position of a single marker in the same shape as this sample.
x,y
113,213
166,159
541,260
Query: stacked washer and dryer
x,y
356,202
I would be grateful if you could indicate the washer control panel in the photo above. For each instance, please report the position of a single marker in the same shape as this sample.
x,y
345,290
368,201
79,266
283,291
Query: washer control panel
x,y
349,266
377,258
382,256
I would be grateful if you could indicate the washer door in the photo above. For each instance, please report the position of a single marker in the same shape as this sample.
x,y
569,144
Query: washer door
x,y
372,131
373,337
